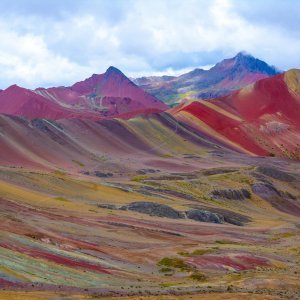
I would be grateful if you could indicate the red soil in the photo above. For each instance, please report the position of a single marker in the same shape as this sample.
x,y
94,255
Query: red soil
x,y
268,96
228,127
269,114
106,95
55,258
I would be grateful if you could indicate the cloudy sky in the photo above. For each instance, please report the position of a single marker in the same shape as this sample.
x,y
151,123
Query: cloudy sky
x,y
58,42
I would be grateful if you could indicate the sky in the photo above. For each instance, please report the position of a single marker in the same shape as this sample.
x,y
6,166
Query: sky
x,y
58,42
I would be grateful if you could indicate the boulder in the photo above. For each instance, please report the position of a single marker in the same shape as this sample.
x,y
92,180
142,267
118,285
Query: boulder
x,y
154,209
204,216
265,190
275,173
241,194
103,175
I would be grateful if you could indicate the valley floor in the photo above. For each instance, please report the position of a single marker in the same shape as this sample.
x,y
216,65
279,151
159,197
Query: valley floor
x,y
73,236
142,209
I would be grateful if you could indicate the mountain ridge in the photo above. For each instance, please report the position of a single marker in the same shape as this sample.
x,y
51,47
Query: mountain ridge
x,y
225,77
262,118
100,96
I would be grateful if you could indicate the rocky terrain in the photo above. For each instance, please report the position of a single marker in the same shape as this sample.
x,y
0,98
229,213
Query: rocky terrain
x,y
222,79
198,201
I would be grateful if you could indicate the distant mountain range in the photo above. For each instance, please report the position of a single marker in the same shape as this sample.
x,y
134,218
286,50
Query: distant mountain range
x,y
222,79
261,118
107,192
102,96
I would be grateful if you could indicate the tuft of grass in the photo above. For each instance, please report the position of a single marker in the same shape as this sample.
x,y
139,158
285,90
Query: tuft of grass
x,y
195,252
139,178
184,253
62,199
227,242
176,263
198,276
165,270
169,284
201,252
77,162
283,235
59,173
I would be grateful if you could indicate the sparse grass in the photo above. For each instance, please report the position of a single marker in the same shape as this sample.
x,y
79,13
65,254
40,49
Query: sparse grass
x,y
175,262
282,236
198,276
195,252
201,252
139,178
184,253
166,270
62,199
227,242
166,155
59,173
169,284
234,177
77,162
187,94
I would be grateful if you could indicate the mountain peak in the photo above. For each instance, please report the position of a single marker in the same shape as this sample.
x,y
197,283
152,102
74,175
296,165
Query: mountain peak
x,y
113,70
242,54
14,88
245,62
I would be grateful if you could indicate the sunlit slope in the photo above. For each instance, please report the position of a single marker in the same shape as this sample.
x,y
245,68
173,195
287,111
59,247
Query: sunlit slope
x,y
262,118
75,144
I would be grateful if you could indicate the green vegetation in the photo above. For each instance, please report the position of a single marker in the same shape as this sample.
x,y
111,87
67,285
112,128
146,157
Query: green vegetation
x,y
62,199
187,94
195,252
172,264
167,155
184,253
176,263
198,276
139,178
165,270
201,252
59,173
233,178
279,236
228,242
77,162
169,284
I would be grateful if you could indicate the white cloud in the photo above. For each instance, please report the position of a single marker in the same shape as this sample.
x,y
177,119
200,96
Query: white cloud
x,y
169,36
26,60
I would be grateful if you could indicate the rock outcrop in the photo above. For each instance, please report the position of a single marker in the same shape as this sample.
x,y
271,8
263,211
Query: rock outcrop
x,y
241,194
204,216
275,173
154,209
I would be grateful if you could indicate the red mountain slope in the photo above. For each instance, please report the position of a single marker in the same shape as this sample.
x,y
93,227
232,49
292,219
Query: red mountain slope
x,y
262,118
107,95
18,101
